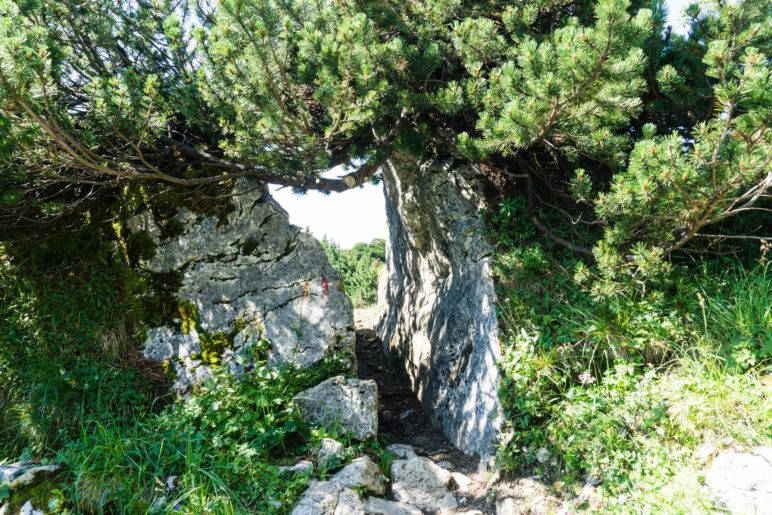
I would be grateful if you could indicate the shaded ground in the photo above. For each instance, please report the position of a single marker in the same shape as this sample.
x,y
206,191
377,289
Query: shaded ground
x,y
401,418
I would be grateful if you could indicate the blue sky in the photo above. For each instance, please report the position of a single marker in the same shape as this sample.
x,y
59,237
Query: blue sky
x,y
359,214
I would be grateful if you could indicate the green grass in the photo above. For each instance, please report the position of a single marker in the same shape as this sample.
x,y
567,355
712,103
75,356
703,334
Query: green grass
x,y
69,345
625,383
75,390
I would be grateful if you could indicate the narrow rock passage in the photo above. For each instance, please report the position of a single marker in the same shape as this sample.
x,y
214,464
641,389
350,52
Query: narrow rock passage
x,y
401,420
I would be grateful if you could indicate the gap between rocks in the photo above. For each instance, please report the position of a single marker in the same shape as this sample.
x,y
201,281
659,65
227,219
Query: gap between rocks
x,y
401,418
402,421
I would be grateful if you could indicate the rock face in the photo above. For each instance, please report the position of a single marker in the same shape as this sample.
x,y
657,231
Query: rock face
x,y
742,481
337,496
423,484
439,301
250,275
348,403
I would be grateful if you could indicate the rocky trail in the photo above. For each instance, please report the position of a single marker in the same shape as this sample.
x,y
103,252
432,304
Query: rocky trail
x,y
428,475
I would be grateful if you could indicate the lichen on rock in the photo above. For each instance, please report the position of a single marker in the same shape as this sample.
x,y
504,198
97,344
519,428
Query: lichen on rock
x,y
246,277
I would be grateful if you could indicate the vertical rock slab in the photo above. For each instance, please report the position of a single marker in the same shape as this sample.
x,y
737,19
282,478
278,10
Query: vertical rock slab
x,y
438,300
246,275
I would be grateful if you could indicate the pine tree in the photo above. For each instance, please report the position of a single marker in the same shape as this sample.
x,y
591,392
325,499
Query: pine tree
x,y
593,107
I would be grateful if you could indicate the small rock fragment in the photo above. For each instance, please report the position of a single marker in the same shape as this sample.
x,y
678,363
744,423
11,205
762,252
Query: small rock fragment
x,y
461,483
334,497
301,466
320,498
378,506
402,451
28,509
349,503
330,451
362,472
350,403
506,506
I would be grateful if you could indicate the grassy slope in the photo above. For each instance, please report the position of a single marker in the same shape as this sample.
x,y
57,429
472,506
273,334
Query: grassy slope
x,y
626,387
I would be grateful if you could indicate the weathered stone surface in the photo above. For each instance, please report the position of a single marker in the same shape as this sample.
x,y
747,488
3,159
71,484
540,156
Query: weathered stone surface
x,y
461,483
330,451
527,496
362,472
320,498
251,273
21,477
401,451
24,473
378,506
301,466
421,483
351,404
349,503
438,299
334,497
742,481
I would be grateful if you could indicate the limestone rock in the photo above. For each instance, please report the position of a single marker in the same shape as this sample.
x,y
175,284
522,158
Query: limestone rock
x,y
17,477
330,451
438,299
351,404
742,481
378,506
525,496
320,498
461,483
301,466
421,483
24,473
401,451
362,473
349,503
251,273
337,496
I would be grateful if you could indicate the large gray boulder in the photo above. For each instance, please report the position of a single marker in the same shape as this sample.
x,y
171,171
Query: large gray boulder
x,y
351,404
250,275
438,300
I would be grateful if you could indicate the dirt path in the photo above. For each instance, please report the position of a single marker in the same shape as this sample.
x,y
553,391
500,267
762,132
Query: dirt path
x,y
400,416
401,420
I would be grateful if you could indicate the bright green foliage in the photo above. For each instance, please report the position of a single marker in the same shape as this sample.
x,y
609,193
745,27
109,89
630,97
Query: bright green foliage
x,y
594,109
743,319
624,387
224,445
360,267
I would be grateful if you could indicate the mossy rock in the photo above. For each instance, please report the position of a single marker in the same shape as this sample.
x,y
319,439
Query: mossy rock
x,y
40,485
